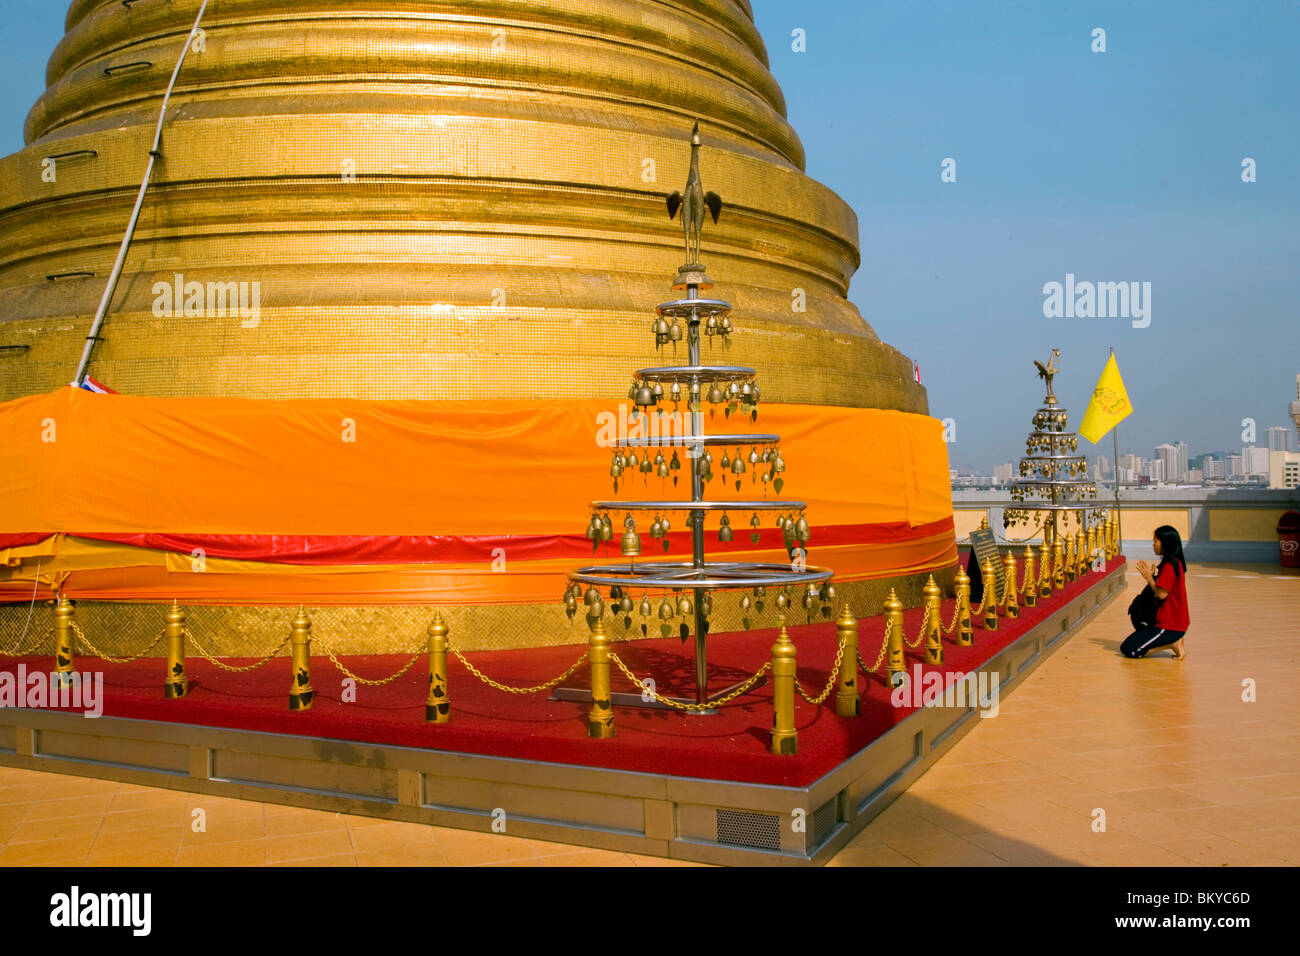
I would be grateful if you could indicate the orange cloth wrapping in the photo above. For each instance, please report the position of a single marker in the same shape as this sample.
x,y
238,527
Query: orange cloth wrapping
x,y
78,464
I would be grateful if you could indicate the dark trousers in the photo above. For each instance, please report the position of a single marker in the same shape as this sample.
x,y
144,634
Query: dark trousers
x,y
1148,638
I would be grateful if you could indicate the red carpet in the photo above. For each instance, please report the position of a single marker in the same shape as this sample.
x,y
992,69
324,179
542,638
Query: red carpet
x,y
731,745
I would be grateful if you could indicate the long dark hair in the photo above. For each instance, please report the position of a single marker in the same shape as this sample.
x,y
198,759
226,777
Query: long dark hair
x,y
1171,548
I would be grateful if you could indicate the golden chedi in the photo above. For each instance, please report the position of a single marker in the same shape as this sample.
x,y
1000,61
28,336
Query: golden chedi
x,y
419,199
368,202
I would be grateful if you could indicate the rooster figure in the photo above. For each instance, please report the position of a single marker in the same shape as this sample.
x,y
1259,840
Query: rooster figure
x,y
693,204
1048,372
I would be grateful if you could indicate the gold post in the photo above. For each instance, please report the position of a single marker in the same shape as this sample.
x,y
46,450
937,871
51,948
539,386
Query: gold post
x,y
176,683
896,666
965,633
933,622
785,739
1030,597
846,690
600,719
437,708
64,613
1058,563
301,693
990,601
1045,576
1009,567
1090,545
1080,554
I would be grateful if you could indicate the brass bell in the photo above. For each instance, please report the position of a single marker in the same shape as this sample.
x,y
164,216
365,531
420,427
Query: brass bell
x,y
592,596
570,606
711,325
684,606
715,394
597,608
657,528
675,333
631,392
661,327
724,530
662,468
747,392
615,470
668,525
778,466
801,529
737,465
645,608
726,462
606,529
665,609
724,326
828,593
657,390
625,605
676,393
782,601
754,522
753,456
707,604
746,602
631,541
629,460
646,465
615,593
644,396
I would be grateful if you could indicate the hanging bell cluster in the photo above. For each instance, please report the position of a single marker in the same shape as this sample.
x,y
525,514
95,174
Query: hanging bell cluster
x,y
718,325
795,530
600,528
763,467
667,332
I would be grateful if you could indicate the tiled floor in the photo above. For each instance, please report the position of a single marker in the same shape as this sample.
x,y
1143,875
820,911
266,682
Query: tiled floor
x,y
1185,771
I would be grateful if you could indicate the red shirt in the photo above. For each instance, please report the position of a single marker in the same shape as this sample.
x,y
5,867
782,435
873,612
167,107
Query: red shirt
x,y
1172,613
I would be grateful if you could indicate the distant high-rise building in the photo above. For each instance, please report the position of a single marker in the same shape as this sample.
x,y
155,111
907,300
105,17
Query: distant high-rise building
x,y
1234,466
1279,438
1254,460
1295,406
1002,473
1103,466
1215,468
1182,464
1167,455
1155,469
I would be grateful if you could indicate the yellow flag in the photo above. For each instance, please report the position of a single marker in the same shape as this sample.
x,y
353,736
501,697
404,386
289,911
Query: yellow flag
x,y
1109,405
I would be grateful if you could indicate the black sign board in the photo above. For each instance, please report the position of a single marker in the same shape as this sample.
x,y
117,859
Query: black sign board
x,y
984,545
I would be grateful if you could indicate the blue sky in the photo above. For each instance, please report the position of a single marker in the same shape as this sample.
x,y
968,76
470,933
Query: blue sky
x,y
1115,166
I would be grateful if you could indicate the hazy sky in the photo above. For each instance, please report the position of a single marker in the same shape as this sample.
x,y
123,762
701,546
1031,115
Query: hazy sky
x,y
1117,166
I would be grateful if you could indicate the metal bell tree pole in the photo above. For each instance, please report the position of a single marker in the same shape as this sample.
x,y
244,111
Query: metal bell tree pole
x,y
699,576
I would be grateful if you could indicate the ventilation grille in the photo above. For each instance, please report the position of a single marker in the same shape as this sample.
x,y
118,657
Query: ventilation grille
x,y
761,831
823,822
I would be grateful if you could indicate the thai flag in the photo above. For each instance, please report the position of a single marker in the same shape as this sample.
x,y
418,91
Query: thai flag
x,y
91,385
916,371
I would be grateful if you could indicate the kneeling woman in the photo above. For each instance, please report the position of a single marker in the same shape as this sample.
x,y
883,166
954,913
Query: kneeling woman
x,y
1168,582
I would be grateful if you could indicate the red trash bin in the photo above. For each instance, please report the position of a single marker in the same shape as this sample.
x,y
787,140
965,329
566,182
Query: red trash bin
x,y
1288,539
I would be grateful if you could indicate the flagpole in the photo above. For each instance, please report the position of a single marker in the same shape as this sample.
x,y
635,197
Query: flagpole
x,y
1119,519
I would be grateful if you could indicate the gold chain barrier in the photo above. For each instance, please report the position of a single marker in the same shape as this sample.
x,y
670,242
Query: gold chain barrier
x,y
506,687
230,667
379,682
884,649
81,636
16,652
830,683
743,688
